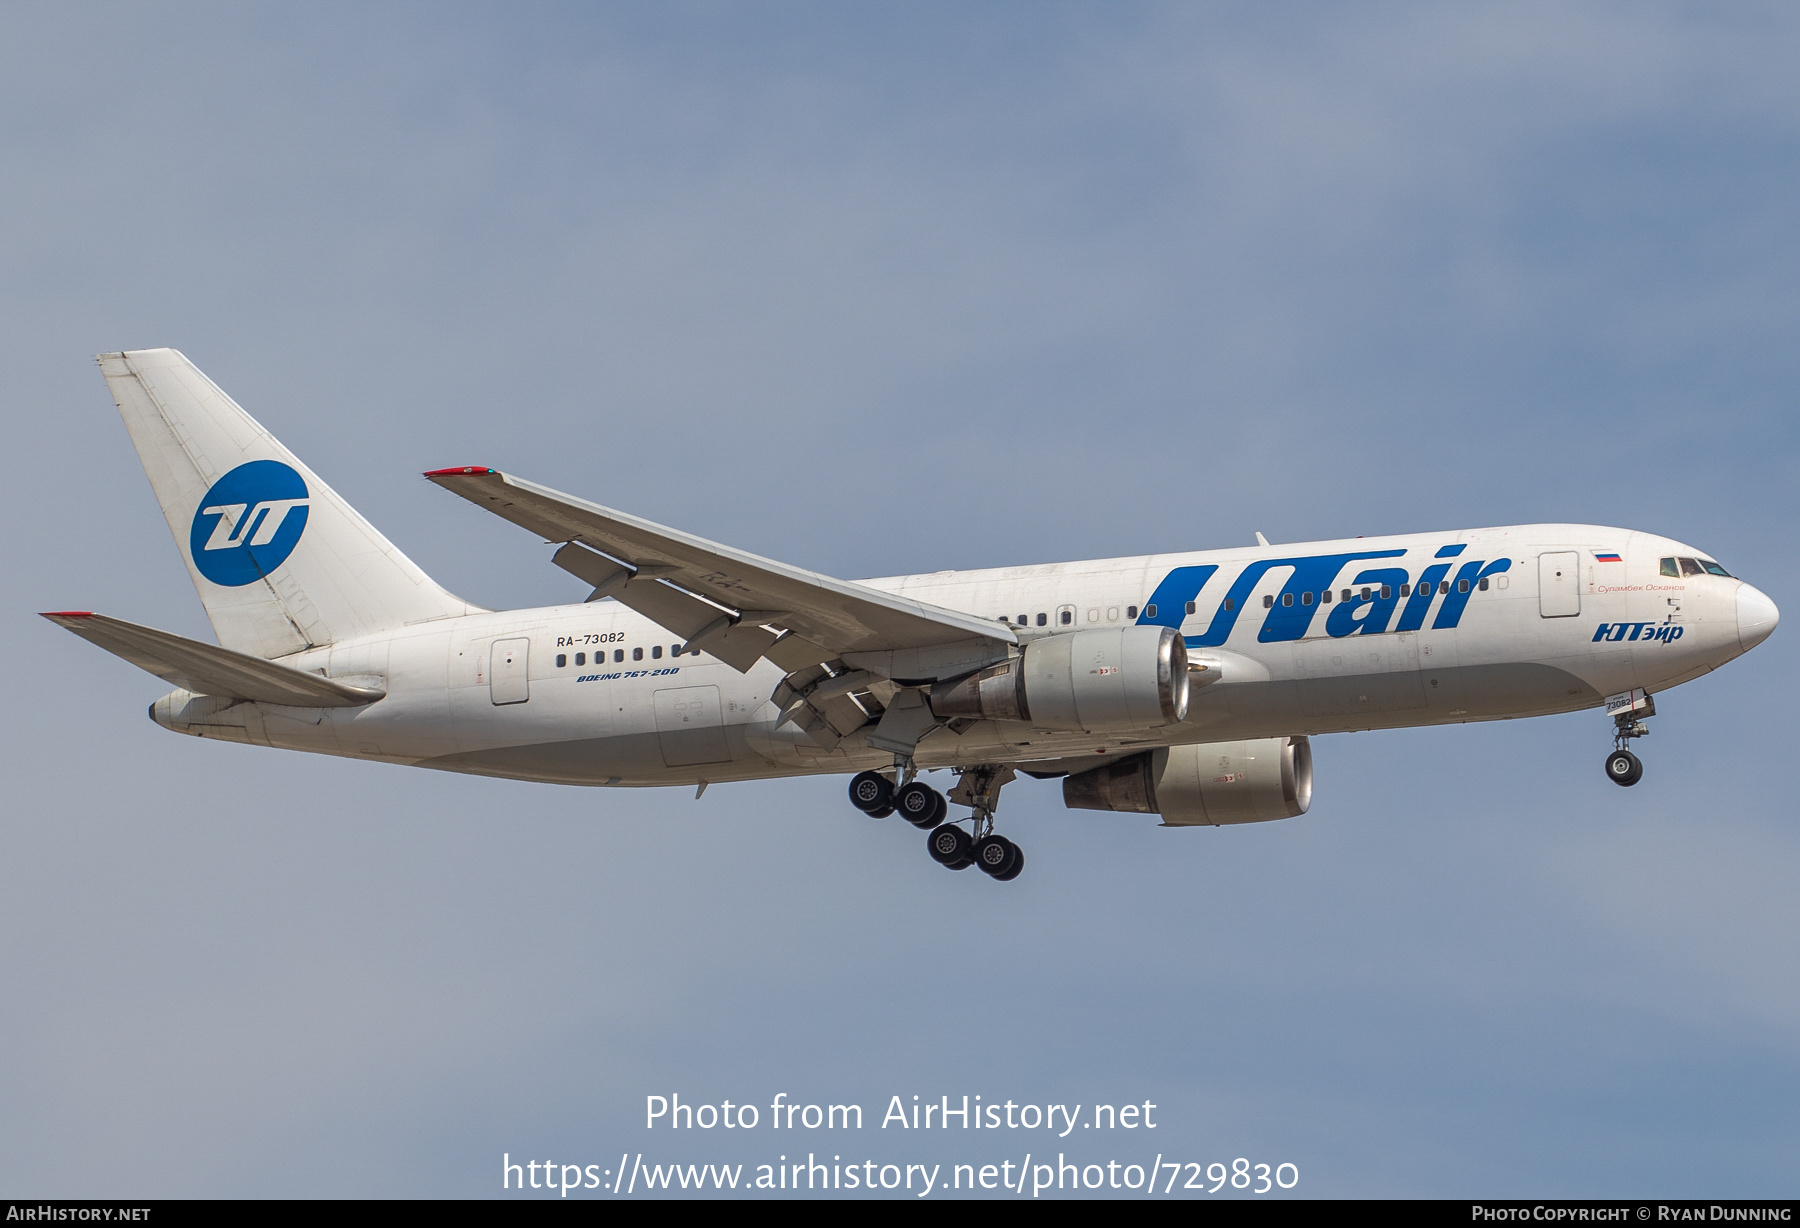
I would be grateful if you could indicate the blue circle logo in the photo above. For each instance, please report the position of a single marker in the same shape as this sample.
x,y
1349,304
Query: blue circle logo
x,y
248,524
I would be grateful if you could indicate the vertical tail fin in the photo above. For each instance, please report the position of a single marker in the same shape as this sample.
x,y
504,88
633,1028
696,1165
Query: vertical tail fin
x,y
281,562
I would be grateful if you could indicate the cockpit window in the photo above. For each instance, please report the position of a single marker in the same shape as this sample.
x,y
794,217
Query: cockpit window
x,y
1668,568
1691,567
1713,569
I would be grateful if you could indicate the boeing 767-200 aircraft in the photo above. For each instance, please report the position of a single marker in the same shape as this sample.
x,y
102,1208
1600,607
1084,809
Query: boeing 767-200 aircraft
x,y
1181,685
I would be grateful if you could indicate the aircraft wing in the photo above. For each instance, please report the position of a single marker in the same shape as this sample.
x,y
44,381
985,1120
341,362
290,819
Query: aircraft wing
x,y
738,605
207,669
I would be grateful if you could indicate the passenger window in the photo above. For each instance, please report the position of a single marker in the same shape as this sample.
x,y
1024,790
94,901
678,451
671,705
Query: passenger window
x,y
1691,567
561,660
1365,594
1713,569
1149,611
637,654
1068,616
1268,601
1041,619
1462,586
1306,598
581,658
618,654
1406,590
1346,594
1443,588
1023,619
1191,607
1667,567
1482,585
1325,597
1287,599
1386,592
1230,605
1131,611
656,653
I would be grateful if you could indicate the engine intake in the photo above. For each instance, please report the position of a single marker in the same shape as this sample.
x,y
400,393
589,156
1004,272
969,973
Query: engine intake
x,y
1208,784
1108,678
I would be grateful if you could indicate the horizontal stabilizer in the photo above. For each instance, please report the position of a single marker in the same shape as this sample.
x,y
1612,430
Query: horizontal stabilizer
x,y
207,669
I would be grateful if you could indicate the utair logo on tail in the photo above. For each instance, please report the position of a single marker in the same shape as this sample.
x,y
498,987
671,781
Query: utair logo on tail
x,y
248,523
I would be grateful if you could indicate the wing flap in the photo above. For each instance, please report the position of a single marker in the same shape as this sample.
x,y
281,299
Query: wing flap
x,y
737,645
207,669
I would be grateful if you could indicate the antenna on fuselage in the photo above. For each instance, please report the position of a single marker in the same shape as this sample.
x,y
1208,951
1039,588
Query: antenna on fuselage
x,y
1261,540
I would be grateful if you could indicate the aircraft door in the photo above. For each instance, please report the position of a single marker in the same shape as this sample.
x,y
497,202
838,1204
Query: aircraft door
x,y
507,662
690,726
1559,584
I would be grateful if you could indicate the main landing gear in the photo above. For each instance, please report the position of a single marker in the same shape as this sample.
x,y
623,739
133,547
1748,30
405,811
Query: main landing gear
x,y
877,795
1623,767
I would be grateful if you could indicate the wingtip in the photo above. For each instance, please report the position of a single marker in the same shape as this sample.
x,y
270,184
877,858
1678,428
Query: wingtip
x,y
460,471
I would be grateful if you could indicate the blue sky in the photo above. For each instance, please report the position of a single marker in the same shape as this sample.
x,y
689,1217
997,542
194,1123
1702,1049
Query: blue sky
x,y
878,289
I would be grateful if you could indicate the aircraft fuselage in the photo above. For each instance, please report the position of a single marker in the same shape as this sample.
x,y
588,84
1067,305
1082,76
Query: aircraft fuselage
x,y
1326,637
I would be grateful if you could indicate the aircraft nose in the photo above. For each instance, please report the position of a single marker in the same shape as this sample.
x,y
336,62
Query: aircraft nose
x,y
1757,617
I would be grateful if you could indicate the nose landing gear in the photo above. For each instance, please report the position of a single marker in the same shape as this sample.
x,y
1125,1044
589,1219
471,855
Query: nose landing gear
x,y
1628,712
1624,768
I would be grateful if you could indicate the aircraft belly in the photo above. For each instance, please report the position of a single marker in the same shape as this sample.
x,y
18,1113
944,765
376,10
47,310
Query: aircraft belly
x,y
625,759
1390,701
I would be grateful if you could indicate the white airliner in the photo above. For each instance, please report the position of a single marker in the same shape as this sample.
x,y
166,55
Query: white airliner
x,y
1184,685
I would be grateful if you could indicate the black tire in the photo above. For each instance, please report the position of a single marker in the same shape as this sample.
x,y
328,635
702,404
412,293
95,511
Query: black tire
x,y
918,803
871,791
1624,768
938,812
883,813
1006,876
950,846
996,855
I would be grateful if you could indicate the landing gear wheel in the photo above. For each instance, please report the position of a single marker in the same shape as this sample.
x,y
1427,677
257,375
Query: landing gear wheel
x,y
997,855
871,792
950,846
920,804
1624,768
1006,876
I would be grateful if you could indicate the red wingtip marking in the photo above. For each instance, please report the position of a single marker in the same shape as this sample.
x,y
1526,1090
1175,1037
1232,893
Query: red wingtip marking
x,y
459,471
69,614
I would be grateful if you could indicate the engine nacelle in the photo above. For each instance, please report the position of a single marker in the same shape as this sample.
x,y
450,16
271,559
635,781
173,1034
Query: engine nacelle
x,y
1108,678
1209,784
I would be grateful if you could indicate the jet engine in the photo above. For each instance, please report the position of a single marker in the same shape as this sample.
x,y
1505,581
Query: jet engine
x,y
1108,678
1211,783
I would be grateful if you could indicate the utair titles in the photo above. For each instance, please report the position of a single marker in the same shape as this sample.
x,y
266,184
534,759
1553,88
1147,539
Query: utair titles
x,y
966,1112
